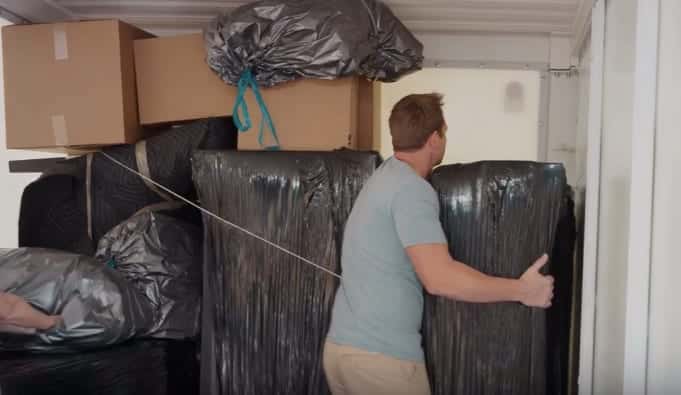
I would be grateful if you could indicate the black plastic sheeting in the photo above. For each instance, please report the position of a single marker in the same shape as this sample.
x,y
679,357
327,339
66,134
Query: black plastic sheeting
x,y
161,257
283,40
265,313
499,217
140,368
562,324
58,219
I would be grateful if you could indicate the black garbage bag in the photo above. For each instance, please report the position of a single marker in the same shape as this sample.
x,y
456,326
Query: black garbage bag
x,y
137,368
144,282
98,306
283,40
62,221
266,313
162,257
498,217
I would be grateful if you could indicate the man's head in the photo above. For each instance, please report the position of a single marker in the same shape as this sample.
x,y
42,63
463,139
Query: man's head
x,y
417,125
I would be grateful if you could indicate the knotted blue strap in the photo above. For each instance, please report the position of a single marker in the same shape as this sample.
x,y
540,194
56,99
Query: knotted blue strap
x,y
111,263
247,81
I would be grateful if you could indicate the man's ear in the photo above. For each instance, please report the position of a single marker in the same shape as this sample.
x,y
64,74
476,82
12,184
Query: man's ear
x,y
432,137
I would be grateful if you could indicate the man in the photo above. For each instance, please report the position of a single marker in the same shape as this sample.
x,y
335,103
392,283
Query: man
x,y
393,247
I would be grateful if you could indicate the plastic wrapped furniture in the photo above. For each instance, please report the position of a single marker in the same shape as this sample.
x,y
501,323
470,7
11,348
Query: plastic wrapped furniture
x,y
499,217
282,40
265,313
563,318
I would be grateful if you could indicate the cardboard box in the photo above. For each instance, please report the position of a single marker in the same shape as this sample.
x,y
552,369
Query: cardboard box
x,y
70,84
175,84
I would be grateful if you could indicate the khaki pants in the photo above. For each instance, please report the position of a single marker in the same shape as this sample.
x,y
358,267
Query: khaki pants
x,y
350,371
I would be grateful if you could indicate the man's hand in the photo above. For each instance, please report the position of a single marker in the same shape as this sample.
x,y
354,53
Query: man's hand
x,y
537,288
16,312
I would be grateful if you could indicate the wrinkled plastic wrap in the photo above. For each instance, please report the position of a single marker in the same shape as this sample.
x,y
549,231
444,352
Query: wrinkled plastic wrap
x,y
162,257
138,368
499,217
266,314
99,307
144,282
283,40
54,209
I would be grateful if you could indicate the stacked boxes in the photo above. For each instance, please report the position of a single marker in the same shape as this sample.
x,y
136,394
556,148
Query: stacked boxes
x,y
70,84
101,83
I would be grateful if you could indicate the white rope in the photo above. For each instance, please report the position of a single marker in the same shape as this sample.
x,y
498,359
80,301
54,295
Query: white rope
x,y
217,217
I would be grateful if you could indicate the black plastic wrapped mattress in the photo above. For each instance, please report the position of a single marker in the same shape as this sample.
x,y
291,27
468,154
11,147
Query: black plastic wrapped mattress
x,y
265,313
499,217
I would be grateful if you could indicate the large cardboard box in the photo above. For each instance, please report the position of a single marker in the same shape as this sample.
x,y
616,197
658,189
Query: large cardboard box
x,y
175,84
70,84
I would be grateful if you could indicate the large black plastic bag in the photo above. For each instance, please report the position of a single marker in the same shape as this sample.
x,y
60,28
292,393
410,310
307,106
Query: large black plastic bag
x,y
99,307
59,220
145,282
283,40
265,313
499,217
138,368
162,257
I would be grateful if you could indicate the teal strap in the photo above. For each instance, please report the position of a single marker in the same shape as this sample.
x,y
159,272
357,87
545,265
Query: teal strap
x,y
247,81
111,263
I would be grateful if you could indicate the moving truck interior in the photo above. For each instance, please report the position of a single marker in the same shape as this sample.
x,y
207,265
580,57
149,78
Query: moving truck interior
x,y
113,112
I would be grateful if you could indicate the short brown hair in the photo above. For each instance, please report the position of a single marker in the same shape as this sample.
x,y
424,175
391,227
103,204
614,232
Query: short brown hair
x,y
414,118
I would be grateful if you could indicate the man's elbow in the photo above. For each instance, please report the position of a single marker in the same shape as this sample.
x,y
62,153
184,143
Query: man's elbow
x,y
433,286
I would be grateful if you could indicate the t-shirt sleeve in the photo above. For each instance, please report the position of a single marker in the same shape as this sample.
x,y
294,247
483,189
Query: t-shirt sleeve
x,y
416,212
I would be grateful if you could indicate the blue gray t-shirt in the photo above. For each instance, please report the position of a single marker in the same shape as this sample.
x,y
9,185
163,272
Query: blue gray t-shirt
x,y
379,305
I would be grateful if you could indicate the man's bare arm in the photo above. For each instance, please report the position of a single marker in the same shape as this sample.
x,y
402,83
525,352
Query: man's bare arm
x,y
442,275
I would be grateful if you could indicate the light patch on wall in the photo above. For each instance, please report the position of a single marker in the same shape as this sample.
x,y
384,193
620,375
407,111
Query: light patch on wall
x,y
481,127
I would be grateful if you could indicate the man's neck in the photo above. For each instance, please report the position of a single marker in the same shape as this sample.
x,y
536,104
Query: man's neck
x,y
417,161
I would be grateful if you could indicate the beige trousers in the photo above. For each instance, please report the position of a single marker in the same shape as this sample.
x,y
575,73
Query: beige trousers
x,y
350,371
